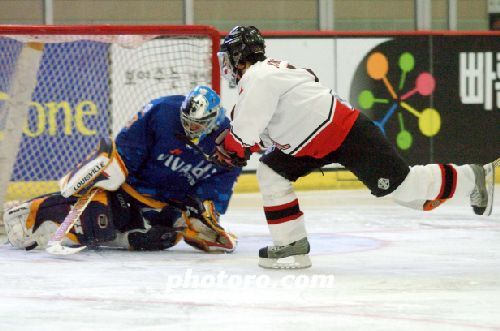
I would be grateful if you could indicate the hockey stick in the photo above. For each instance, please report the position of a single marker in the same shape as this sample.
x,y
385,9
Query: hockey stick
x,y
197,148
209,158
55,243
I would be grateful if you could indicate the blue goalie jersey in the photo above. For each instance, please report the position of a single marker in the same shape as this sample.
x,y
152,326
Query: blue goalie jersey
x,y
163,167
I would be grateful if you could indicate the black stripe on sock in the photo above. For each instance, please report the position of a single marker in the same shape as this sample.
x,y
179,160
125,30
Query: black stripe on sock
x,y
283,213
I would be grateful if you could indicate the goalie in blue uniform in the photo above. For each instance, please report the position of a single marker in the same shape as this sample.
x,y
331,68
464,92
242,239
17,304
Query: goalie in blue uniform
x,y
158,186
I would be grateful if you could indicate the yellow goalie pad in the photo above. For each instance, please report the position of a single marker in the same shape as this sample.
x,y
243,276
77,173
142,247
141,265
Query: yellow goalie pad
x,y
206,234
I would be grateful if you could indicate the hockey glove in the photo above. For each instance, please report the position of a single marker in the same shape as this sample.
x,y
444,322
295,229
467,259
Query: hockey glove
x,y
225,158
202,230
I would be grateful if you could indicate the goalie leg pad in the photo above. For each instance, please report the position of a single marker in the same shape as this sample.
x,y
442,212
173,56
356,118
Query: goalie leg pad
x,y
104,168
33,223
95,226
19,226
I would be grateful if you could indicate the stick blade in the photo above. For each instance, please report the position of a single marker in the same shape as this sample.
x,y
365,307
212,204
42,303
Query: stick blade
x,y
58,249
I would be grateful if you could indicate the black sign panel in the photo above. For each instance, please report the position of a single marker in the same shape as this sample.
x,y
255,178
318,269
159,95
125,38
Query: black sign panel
x,y
436,98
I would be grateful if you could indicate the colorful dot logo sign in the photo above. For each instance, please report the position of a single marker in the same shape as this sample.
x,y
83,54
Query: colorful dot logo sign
x,y
424,85
366,99
429,120
406,64
377,67
404,138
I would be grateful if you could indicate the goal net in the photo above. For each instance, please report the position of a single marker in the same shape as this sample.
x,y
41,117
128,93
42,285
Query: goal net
x,y
62,88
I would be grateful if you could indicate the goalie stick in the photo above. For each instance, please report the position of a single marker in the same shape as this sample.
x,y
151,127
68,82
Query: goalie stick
x,y
197,148
55,243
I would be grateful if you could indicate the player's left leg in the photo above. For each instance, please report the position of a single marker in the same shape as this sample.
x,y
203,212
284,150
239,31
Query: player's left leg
x,y
281,207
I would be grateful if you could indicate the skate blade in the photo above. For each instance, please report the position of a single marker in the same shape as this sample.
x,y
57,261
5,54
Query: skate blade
x,y
291,262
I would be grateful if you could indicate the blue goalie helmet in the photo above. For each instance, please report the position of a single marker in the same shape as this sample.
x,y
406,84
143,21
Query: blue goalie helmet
x,y
201,112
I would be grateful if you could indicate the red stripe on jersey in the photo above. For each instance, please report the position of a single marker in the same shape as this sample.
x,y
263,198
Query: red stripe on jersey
x,y
285,219
231,144
333,134
283,206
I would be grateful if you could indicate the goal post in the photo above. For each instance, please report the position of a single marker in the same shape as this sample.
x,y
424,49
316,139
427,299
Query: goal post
x,y
64,87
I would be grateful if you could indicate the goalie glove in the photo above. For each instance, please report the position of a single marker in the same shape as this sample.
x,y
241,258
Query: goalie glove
x,y
203,231
103,168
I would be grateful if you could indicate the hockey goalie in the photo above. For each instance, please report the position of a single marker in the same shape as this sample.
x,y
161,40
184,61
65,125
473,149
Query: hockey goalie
x,y
155,185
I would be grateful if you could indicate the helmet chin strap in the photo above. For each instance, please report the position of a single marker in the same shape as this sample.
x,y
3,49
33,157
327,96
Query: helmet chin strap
x,y
239,75
241,71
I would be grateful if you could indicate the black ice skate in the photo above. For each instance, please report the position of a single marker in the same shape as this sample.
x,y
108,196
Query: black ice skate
x,y
481,198
293,256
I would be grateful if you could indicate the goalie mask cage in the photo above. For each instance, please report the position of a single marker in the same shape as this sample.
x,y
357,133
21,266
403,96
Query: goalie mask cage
x,y
64,87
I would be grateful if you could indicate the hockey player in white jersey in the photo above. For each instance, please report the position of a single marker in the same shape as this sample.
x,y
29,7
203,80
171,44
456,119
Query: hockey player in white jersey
x,y
303,126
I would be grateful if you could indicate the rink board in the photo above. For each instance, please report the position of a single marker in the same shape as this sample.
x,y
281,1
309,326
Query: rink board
x,y
247,183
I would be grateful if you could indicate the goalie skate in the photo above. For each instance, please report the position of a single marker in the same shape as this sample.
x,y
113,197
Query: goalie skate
x,y
293,256
481,198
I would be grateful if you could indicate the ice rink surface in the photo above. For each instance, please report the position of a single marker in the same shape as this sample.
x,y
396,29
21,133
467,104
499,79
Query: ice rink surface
x,y
393,268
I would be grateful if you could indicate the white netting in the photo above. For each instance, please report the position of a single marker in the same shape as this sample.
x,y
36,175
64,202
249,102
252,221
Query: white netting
x,y
88,87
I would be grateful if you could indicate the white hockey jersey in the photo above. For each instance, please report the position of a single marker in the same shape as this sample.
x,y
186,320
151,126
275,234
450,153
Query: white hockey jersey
x,y
283,106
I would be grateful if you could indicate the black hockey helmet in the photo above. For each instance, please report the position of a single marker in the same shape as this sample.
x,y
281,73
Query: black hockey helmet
x,y
242,44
